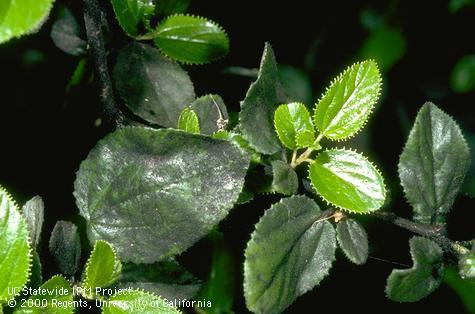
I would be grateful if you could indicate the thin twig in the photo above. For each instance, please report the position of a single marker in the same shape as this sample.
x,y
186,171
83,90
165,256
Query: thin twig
x,y
428,231
95,22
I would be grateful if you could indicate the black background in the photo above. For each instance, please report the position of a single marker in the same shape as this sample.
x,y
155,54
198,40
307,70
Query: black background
x,y
44,136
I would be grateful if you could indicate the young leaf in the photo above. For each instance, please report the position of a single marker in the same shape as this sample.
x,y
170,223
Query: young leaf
x,y
291,120
33,212
191,39
289,253
65,247
188,121
67,35
130,13
212,113
15,254
57,298
425,276
348,180
167,279
353,240
284,178
154,193
169,7
103,267
138,302
305,138
15,23
462,78
152,87
257,109
433,164
346,105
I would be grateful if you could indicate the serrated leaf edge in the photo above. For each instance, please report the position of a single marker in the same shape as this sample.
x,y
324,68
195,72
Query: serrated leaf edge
x,y
28,243
457,127
385,191
415,265
245,284
186,62
366,118
233,202
89,261
296,134
165,301
348,257
268,52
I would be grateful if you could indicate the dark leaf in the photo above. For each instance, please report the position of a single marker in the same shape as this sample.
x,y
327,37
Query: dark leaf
x,y
257,109
411,285
433,164
152,87
289,253
65,246
154,193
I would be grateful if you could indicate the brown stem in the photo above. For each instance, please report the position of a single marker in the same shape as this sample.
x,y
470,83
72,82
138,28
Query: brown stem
x,y
95,22
431,232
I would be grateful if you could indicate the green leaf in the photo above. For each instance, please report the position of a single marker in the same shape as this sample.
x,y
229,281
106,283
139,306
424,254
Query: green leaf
x,y
468,186
284,178
65,247
15,257
425,276
188,121
220,286
36,276
15,23
56,299
167,279
131,13
296,84
81,74
462,78
464,288
353,240
467,266
191,39
154,193
67,34
257,109
456,5
433,164
306,138
289,121
212,113
289,253
169,7
33,212
346,105
386,45
241,142
348,180
103,267
138,302
152,87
